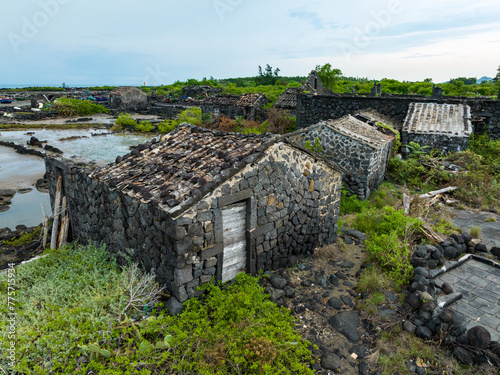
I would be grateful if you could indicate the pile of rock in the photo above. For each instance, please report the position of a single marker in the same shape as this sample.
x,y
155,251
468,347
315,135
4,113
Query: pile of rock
x,y
428,301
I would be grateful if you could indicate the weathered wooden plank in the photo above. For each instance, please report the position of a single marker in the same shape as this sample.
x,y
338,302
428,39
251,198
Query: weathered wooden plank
x,y
234,238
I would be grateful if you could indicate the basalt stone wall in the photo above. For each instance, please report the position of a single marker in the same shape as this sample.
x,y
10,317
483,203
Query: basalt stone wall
x,y
365,167
313,108
292,207
441,142
166,111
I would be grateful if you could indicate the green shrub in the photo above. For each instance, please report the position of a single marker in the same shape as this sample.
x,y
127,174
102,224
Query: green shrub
x,y
388,231
238,330
315,147
350,204
77,107
144,126
167,126
397,137
79,313
191,115
126,120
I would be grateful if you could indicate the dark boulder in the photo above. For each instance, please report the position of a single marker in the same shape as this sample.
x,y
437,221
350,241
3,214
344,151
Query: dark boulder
x,y
479,337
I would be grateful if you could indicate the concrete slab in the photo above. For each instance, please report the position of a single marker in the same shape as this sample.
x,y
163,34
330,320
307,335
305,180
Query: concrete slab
x,y
479,283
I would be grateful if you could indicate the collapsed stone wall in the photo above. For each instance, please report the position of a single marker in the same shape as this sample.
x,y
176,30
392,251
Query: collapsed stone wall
x,y
292,204
365,167
313,108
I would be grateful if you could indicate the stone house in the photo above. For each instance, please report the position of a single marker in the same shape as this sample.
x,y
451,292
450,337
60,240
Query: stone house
x,y
360,149
288,100
202,204
313,85
445,127
128,98
200,91
249,106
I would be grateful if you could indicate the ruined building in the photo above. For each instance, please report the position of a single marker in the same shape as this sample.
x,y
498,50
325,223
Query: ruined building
x,y
202,204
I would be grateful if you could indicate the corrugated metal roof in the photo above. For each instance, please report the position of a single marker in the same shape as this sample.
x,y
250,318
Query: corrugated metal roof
x,y
433,118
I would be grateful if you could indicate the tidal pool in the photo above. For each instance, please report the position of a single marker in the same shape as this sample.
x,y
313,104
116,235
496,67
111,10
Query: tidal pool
x,y
102,149
21,171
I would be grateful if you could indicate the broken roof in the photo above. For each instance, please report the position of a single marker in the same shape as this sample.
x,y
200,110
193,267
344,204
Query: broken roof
x,y
358,130
371,117
288,99
245,100
432,118
187,164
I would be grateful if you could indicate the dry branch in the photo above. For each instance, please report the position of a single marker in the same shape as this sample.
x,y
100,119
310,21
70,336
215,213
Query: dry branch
x,y
431,194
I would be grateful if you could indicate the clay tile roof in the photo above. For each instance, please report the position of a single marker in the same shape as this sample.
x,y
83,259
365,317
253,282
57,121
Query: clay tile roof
x,y
359,131
288,99
432,118
188,163
245,100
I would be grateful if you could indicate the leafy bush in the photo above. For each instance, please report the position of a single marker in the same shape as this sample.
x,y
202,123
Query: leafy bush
x,y
315,147
388,234
190,115
77,107
236,329
125,120
350,204
397,137
167,126
144,126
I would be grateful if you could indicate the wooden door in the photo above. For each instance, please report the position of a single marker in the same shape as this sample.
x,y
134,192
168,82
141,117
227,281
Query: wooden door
x,y
234,224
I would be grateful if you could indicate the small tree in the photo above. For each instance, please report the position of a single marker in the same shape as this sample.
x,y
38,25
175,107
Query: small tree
x,y
328,76
497,77
267,77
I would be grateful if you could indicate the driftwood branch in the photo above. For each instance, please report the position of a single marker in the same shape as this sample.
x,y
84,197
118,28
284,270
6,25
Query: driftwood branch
x,y
431,194
431,233
56,211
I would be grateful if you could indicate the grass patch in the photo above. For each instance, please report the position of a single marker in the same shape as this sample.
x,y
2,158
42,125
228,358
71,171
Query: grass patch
x,y
75,315
475,231
491,219
372,279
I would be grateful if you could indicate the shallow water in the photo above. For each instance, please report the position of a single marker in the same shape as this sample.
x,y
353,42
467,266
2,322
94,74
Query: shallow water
x,y
102,149
22,171
27,209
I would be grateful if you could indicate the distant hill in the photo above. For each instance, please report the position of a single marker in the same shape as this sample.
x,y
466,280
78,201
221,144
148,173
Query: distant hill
x,y
484,79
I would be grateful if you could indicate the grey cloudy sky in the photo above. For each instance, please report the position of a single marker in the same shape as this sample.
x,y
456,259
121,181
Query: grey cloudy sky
x,y
128,41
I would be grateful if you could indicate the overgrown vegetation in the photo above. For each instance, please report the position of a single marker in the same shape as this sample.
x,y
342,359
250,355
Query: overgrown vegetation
x,y
475,172
77,107
390,234
79,313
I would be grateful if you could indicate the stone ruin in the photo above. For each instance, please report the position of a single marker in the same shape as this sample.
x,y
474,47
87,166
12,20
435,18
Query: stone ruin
x,y
200,204
128,98
445,127
360,149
